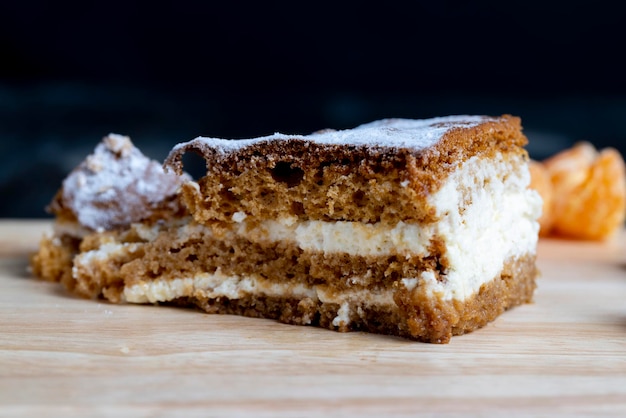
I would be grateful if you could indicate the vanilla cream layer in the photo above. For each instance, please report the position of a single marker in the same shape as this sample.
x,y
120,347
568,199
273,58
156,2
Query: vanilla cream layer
x,y
70,228
236,287
499,222
353,238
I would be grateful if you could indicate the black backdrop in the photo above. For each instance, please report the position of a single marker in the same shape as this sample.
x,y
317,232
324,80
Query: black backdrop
x,y
164,72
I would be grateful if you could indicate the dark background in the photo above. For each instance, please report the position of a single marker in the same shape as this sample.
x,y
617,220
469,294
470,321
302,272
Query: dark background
x,y
164,72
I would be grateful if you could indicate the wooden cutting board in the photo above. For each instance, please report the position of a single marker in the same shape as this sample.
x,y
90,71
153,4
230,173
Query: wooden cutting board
x,y
563,355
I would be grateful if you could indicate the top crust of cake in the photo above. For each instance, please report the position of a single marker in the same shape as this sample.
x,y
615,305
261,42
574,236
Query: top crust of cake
x,y
421,153
416,134
115,186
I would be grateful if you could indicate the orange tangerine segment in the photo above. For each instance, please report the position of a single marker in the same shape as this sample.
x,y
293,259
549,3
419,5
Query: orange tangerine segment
x,y
572,160
568,169
540,181
595,208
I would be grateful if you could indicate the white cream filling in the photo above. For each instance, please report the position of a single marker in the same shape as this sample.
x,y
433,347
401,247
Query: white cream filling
x,y
499,222
70,228
217,285
353,238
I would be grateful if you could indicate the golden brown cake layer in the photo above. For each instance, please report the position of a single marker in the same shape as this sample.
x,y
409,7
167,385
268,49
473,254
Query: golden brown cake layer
x,y
54,260
417,315
310,180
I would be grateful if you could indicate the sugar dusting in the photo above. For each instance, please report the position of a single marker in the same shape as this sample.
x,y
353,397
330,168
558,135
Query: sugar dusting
x,y
415,134
117,185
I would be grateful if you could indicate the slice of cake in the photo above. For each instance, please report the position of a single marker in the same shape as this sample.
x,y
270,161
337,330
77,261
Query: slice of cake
x,y
417,228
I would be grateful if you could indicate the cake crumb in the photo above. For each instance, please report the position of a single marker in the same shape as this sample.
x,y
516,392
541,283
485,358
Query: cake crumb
x,y
239,217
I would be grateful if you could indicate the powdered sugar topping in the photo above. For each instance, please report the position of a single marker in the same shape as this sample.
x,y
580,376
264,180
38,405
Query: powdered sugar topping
x,y
117,185
414,134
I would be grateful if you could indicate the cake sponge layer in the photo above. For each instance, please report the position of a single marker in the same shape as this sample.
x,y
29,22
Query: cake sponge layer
x,y
379,172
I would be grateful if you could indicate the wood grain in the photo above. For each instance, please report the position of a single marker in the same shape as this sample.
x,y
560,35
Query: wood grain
x,y
563,355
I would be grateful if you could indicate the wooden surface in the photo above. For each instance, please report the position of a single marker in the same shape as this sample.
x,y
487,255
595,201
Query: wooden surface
x,y
564,355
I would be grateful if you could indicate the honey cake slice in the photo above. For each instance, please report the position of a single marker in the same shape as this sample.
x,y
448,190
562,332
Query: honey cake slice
x,y
416,228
